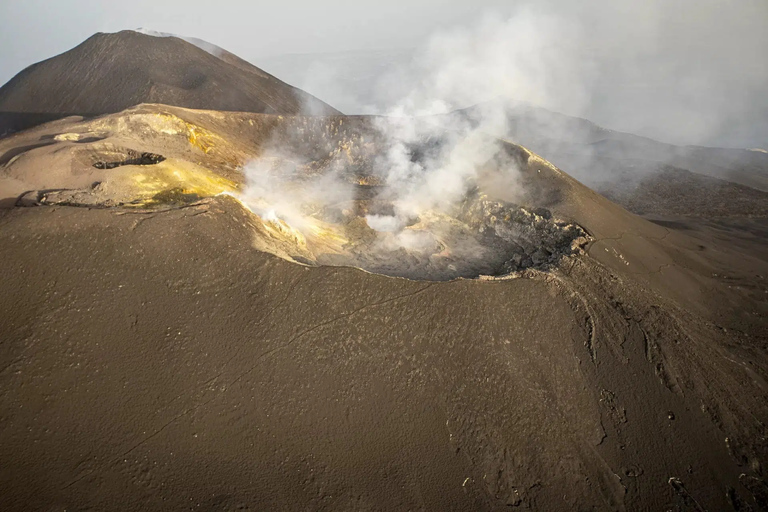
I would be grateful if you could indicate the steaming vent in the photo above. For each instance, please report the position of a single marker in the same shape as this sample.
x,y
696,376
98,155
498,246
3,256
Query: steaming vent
x,y
486,238
401,197
420,210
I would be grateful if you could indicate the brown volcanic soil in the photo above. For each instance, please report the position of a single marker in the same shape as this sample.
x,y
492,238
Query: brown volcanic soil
x,y
111,72
153,359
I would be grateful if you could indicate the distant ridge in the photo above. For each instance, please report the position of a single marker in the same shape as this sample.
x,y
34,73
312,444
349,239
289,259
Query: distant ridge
x,y
645,176
108,73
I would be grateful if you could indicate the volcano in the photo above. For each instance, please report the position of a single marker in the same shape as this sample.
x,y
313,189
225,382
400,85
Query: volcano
x,y
174,336
111,72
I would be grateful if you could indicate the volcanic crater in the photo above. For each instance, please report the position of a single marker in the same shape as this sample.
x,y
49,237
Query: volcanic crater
x,y
325,195
342,211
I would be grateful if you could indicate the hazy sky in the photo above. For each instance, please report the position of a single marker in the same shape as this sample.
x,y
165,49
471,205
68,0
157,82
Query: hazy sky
x,y
683,71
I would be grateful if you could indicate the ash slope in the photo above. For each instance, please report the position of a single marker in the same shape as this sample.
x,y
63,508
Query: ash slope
x,y
155,359
111,72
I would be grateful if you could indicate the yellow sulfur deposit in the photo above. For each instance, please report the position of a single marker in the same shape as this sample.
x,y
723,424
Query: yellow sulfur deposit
x,y
200,138
325,237
171,181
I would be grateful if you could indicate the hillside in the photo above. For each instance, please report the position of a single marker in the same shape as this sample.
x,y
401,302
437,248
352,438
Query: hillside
x,y
637,171
111,72
167,343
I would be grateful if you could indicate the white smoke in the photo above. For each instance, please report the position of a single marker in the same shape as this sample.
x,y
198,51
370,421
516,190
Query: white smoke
x,y
678,71
384,223
416,184
492,59
278,189
530,56
428,163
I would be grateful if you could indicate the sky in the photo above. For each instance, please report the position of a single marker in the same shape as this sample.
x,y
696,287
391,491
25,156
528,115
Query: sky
x,y
681,71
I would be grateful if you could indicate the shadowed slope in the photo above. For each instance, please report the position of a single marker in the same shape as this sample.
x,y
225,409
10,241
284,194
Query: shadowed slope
x,y
643,175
